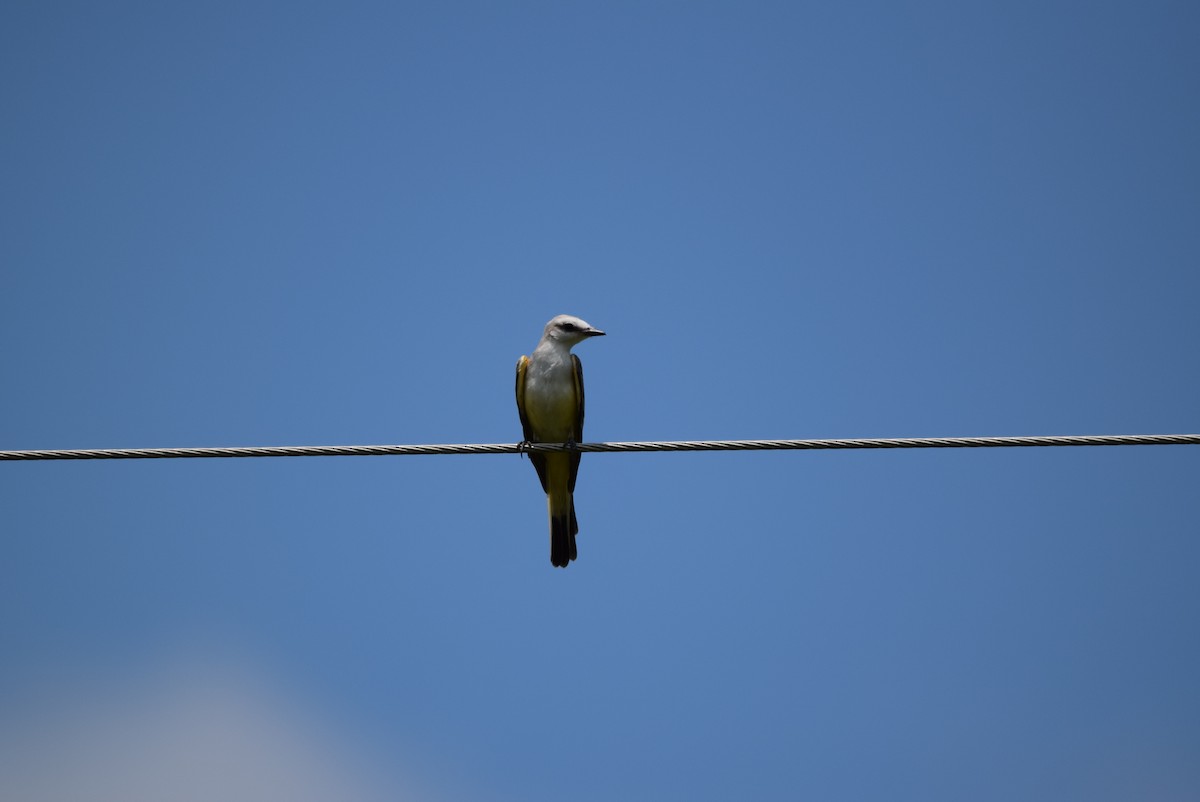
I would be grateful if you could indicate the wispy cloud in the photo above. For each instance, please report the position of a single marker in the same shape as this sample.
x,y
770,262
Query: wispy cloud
x,y
184,733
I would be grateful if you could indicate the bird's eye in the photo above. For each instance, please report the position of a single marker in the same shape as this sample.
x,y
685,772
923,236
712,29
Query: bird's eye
x,y
569,326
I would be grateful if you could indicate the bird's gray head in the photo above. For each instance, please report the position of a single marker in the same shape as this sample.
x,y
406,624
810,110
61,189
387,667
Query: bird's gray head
x,y
570,330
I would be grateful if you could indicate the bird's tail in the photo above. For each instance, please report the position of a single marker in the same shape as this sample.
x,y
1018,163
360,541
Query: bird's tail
x,y
563,528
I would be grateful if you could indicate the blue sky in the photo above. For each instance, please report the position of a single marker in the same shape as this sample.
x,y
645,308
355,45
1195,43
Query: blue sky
x,y
293,224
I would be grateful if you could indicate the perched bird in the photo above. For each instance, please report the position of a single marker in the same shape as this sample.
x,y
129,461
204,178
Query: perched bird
x,y
550,401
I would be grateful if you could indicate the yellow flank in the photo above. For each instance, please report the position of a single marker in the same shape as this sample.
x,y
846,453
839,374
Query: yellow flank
x,y
552,418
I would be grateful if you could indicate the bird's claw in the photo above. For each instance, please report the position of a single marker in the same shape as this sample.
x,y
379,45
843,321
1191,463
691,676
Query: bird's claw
x,y
523,448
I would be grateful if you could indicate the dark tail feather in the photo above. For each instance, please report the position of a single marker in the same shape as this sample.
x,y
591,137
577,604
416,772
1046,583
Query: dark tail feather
x,y
574,529
562,538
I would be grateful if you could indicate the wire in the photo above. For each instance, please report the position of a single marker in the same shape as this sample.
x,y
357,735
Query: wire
x,y
675,445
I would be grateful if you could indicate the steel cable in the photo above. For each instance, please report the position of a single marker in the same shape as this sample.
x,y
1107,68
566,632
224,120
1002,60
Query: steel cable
x,y
670,445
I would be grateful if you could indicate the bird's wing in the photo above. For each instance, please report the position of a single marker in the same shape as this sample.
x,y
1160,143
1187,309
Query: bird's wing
x,y
537,458
577,374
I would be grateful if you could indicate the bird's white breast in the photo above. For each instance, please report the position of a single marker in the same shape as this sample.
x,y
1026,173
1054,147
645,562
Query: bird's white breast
x,y
550,402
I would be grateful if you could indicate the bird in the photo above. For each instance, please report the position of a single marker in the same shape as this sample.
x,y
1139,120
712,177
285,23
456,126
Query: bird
x,y
550,403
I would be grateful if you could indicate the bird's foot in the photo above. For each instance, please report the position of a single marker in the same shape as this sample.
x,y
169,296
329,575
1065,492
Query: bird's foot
x,y
572,445
523,448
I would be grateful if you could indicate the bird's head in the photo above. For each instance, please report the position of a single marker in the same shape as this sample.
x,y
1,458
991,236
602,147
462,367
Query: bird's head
x,y
570,330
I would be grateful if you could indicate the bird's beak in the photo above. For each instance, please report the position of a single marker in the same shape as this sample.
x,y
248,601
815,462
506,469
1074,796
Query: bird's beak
x,y
594,333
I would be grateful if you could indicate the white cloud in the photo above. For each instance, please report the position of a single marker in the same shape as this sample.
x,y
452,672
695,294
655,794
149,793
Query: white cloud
x,y
184,734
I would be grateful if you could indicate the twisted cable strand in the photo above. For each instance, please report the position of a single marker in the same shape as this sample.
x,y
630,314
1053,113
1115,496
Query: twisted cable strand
x,y
669,445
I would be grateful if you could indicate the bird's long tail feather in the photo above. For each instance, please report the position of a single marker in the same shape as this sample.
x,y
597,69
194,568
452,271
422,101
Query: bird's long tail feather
x,y
563,528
